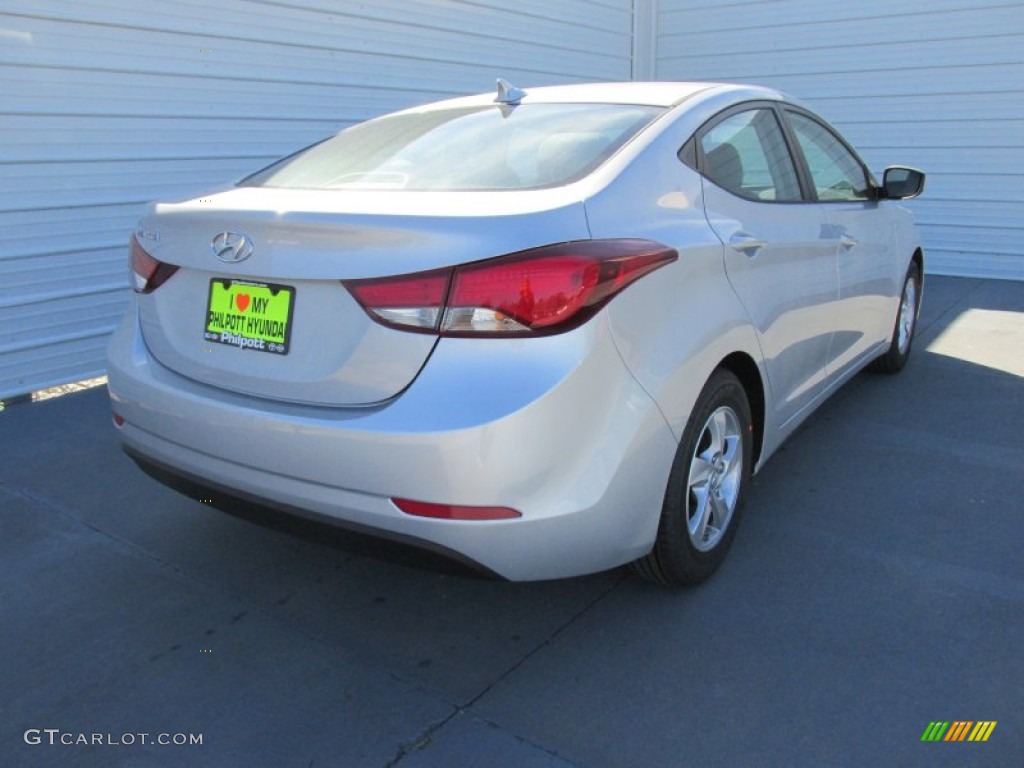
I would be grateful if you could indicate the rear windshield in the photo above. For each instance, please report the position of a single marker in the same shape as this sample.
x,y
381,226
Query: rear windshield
x,y
530,146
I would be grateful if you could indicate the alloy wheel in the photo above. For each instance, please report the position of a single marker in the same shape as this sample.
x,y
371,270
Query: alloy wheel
x,y
908,316
713,486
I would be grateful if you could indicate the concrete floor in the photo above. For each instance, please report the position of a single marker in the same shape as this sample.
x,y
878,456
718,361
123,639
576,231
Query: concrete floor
x,y
877,584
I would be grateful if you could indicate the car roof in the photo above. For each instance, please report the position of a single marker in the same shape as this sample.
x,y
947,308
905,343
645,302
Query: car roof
x,y
657,94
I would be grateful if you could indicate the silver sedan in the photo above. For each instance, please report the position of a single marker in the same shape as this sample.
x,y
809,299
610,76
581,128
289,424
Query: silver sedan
x,y
543,332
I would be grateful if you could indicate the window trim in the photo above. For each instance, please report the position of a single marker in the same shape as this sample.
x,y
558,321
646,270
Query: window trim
x,y
691,153
804,168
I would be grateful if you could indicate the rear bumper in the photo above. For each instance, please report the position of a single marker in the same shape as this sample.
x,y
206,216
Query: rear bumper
x,y
307,524
556,428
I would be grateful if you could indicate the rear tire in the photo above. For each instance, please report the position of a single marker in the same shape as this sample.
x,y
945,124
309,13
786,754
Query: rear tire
x,y
706,488
906,324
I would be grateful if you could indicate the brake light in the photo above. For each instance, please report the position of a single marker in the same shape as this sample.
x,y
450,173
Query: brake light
x,y
454,511
541,291
410,301
148,274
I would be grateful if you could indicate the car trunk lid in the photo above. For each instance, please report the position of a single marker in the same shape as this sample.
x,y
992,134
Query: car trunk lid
x,y
277,322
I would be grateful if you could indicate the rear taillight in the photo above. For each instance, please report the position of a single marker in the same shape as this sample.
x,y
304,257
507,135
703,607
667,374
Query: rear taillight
x,y
540,291
413,302
148,274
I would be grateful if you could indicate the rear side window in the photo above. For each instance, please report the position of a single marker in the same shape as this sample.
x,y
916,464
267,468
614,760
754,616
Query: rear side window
x,y
530,146
835,171
746,154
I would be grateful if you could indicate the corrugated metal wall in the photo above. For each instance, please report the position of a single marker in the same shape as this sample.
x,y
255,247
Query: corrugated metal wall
x,y
937,85
107,105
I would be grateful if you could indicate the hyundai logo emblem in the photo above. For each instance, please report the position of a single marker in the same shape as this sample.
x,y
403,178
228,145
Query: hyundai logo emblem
x,y
231,247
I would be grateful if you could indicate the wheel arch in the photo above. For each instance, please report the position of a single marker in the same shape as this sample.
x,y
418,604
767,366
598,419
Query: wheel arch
x,y
743,367
918,257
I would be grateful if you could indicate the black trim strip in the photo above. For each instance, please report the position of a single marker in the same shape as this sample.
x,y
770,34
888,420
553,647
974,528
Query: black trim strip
x,y
309,525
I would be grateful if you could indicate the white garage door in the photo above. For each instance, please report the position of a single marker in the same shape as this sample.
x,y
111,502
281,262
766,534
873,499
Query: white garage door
x,y
938,85
106,105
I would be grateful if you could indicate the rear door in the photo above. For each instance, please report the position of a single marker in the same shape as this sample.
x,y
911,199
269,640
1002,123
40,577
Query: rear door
x,y
776,256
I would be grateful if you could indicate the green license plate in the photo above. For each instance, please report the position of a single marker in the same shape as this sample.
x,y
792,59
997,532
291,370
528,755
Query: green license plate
x,y
247,315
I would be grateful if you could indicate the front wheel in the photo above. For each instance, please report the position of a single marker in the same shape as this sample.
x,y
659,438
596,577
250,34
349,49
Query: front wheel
x,y
706,488
906,324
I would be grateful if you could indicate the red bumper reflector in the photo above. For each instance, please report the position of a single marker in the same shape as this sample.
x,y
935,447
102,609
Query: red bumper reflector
x,y
453,511
118,420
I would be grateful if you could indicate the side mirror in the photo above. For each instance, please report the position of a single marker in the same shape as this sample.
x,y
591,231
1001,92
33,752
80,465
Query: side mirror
x,y
900,183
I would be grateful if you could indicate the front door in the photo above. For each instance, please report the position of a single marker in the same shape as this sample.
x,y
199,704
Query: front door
x,y
862,232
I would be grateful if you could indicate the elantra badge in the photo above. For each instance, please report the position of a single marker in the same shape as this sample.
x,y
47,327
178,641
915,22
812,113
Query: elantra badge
x,y
231,247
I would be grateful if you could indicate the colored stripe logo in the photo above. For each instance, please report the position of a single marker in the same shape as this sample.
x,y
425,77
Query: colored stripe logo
x,y
958,730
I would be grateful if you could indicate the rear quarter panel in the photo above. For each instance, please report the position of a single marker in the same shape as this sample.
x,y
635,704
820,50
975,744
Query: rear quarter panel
x,y
675,326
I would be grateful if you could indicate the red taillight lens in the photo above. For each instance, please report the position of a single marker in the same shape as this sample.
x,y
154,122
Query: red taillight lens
x,y
454,511
544,290
552,288
411,301
148,274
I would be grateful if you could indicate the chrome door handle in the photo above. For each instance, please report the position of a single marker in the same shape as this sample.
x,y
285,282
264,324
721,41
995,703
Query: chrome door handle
x,y
745,243
847,242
